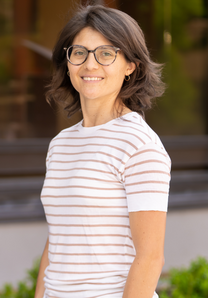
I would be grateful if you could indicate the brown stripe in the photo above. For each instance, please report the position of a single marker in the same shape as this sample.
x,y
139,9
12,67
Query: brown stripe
x,y
90,283
89,152
85,169
137,130
82,177
146,161
90,297
147,182
147,191
149,172
94,226
81,186
88,197
87,279
123,132
87,244
77,291
91,235
133,122
91,144
148,150
81,160
107,294
85,215
66,291
68,272
109,263
68,131
98,137
86,206
89,254
136,118
48,295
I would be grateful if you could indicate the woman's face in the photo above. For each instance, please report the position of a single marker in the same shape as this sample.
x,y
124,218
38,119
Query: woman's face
x,y
93,81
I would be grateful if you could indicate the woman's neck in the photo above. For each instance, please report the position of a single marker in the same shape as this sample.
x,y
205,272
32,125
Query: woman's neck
x,y
94,115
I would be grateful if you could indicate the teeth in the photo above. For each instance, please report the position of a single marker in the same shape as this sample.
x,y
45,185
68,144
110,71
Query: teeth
x,y
91,79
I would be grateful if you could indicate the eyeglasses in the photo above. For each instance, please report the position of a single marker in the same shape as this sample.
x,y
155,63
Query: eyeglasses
x,y
104,55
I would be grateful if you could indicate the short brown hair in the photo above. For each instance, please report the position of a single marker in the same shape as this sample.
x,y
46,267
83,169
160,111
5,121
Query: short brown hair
x,y
123,32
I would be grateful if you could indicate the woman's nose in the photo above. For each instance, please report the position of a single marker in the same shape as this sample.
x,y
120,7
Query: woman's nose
x,y
91,62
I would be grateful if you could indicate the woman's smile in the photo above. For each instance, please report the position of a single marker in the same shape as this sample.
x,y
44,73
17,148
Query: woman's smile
x,y
92,79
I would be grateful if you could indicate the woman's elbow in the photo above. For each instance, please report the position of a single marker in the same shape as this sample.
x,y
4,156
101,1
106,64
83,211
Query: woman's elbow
x,y
156,260
159,260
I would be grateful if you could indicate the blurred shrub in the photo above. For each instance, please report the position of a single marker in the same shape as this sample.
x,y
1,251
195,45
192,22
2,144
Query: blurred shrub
x,y
26,288
188,283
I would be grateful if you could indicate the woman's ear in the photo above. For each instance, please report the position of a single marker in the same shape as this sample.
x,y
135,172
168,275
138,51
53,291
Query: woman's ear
x,y
130,69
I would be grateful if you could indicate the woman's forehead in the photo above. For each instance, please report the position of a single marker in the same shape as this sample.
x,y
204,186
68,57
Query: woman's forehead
x,y
90,37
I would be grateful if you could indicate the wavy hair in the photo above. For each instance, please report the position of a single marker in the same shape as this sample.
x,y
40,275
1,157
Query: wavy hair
x,y
123,32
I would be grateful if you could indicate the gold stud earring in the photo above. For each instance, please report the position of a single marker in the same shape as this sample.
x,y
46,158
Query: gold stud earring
x,y
127,78
68,73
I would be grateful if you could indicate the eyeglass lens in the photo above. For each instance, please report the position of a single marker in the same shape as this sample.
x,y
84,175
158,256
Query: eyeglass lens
x,y
104,55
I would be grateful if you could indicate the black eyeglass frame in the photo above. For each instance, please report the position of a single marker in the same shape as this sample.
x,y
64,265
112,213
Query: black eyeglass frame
x,y
91,51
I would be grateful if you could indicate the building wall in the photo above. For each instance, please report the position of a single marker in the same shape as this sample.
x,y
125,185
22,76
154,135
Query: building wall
x,y
185,237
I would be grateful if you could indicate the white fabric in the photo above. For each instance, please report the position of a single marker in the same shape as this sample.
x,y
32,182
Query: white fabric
x,y
95,177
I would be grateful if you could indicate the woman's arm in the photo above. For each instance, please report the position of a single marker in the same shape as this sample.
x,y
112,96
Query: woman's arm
x,y
43,264
148,234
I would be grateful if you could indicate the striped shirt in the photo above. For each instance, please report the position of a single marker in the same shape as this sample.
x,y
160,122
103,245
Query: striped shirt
x,y
95,177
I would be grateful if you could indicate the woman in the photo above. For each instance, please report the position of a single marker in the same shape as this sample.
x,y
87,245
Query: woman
x,y
106,188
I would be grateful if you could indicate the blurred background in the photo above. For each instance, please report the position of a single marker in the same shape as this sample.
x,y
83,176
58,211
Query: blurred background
x,y
177,35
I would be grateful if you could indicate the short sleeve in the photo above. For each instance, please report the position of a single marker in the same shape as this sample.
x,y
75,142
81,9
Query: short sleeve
x,y
48,155
147,178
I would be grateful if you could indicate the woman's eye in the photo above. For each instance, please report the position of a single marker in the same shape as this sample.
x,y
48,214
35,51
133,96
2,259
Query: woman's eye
x,y
79,53
106,54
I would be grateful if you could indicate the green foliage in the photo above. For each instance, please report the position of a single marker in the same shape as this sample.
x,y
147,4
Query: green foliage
x,y
178,108
178,112
179,13
26,288
188,283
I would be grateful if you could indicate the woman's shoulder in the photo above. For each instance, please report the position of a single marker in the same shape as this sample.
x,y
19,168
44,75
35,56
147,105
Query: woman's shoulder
x,y
136,128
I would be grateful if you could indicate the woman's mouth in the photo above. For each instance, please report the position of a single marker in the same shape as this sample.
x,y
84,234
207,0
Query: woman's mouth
x,y
92,78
